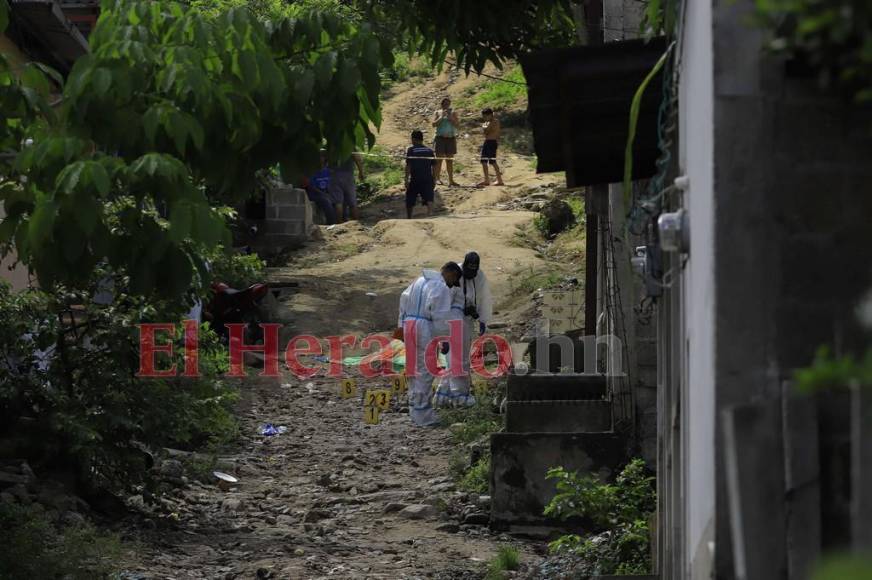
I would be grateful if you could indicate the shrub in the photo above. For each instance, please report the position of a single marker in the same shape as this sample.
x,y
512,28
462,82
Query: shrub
x,y
236,270
499,94
69,390
620,511
477,479
34,548
507,559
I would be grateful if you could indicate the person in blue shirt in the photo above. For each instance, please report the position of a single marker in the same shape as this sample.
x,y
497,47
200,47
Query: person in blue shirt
x,y
420,161
316,188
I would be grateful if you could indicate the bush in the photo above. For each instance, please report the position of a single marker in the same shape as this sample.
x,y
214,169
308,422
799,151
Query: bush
x,y
70,394
34,548
833,37
507,559
405,68
236,270
501,95
382,172
620,511
477,479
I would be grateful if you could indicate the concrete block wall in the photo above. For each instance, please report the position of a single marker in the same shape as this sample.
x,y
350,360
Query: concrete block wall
x,y
288,219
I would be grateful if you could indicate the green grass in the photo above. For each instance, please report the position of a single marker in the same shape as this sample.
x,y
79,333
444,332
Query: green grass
x,y
471,424
538,279
382,173
468,426
507,559
477,478
406,68
501,95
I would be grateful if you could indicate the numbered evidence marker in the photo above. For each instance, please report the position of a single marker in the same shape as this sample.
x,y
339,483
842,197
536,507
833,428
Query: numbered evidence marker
x,y
347,388
371,415
380,398
398,385
479,387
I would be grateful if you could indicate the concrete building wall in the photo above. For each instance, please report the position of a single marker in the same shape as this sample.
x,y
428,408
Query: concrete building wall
x,y
696,158
779,257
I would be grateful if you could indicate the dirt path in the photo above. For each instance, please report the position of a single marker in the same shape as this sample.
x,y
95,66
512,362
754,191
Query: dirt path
x,y
325,498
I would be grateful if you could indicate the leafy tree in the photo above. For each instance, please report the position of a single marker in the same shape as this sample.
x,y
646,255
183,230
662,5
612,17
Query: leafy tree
x,y
473,33
168,106
178,107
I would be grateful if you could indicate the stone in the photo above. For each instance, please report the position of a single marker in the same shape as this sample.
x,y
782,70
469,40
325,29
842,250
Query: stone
x,y
476,519
72,519
394,506
172,469
136,502
442,487
419,511
448,528
558,217
232,504
316,515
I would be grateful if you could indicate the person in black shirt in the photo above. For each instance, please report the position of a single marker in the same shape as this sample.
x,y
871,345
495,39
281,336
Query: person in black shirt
x,y
420,161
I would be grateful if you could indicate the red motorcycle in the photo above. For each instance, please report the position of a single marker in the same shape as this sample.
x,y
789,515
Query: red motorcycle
x,y
229,305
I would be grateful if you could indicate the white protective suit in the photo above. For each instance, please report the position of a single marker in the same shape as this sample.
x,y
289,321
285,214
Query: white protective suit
x,y
454,390
427,302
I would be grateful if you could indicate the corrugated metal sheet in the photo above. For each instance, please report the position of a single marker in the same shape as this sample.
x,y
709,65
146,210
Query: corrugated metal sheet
x,y
579,104
42,27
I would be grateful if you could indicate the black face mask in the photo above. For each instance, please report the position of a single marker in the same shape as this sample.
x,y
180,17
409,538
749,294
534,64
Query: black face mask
x,y
470,265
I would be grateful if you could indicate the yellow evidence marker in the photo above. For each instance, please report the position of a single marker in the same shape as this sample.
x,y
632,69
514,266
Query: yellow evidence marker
x,y
398,385
371,415
347,388
380,398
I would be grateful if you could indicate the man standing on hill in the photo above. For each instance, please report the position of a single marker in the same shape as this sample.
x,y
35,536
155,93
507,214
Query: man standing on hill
x,y
491,129
342,189
447,124
419,174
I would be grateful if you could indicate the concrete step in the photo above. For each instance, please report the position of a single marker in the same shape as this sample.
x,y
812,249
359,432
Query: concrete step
x,y
563,387
567,416
519,461
565,353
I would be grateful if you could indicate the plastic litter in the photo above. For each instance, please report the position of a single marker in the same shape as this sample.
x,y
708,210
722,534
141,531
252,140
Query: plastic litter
x,y
269,430
225,480
371,294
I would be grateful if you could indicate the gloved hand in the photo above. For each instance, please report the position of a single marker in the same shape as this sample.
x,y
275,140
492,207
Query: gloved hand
x,y
444,348
482,327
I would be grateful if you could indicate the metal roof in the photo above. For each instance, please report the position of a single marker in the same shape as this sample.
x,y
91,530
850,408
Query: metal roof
x,y
579,105
41,29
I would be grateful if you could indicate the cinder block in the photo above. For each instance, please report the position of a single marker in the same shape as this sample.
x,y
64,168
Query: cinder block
x,y
292,212
284,196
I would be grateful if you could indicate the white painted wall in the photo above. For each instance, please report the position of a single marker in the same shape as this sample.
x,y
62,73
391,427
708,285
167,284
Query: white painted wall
x,y
696,111
16,276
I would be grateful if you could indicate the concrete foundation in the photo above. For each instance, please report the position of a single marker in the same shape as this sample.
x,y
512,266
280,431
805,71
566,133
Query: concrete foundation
x,y
558,416
555,387
519,462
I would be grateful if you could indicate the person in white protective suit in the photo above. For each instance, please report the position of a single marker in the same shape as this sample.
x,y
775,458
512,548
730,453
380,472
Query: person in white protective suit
x,y
425,307
473,299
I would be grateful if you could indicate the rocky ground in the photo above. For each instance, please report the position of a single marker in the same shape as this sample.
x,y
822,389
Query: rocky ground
x,y
333,497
